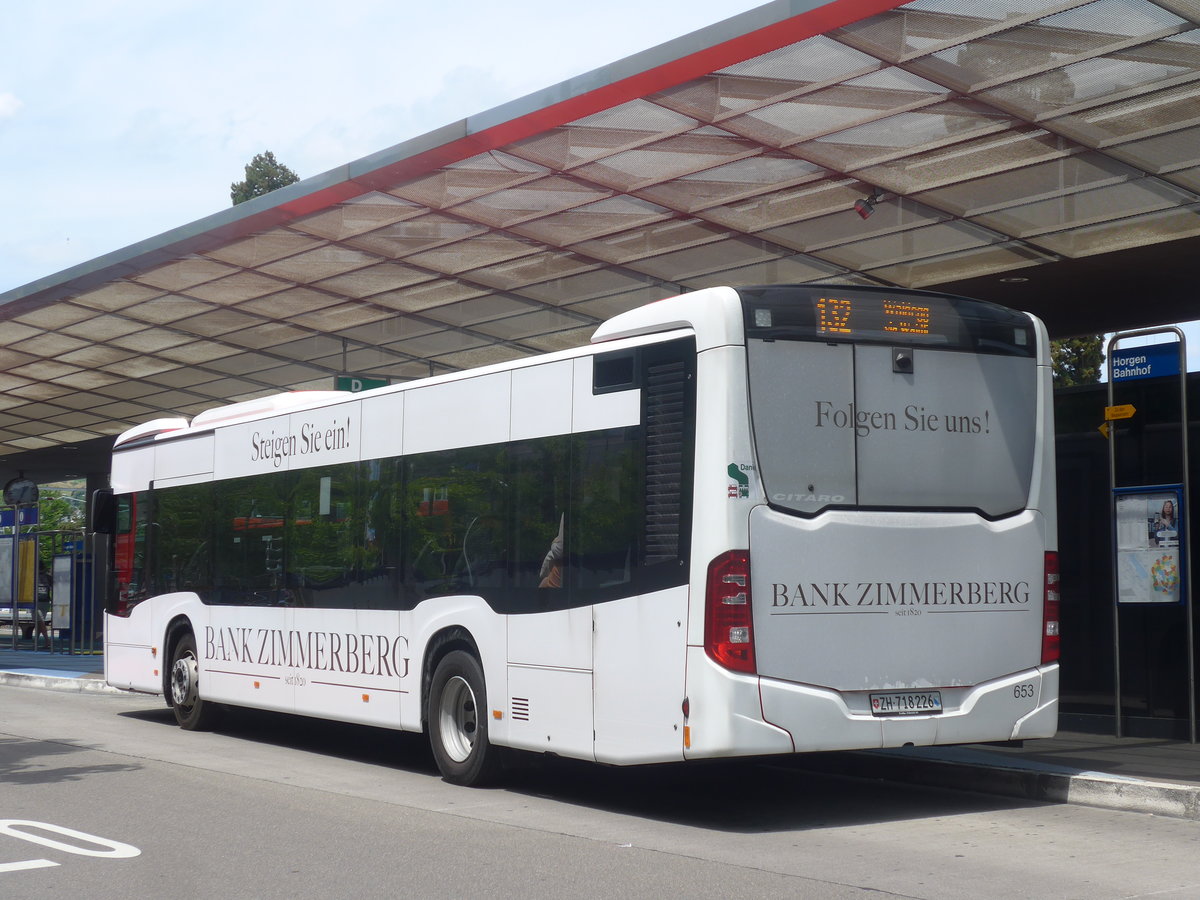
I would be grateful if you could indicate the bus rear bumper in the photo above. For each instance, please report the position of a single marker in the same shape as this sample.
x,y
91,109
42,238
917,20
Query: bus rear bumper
x,y
726,717
1018,706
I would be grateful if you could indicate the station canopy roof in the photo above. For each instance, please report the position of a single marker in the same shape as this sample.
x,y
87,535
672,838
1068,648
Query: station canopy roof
x,y
1042,154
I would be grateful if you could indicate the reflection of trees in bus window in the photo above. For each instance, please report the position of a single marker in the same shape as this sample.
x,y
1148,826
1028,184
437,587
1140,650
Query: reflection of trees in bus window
x,y
532,525
183,539
322,536
248,565
455,509
541,491
602,543
378,546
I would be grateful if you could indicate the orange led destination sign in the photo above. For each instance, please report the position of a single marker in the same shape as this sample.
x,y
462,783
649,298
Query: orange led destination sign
x,y
905,317
836,315
872,315
833,315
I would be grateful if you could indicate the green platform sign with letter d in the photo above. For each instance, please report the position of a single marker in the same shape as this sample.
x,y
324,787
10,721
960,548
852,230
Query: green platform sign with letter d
x,y
356,383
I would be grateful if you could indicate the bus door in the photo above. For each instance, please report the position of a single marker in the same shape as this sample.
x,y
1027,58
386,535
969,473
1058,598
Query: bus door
x,y
549,633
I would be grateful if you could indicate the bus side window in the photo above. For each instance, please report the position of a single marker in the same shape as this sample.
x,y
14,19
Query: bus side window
x,y
602,545
323,534
129,552
455,511
182,546
248,566
378,524
540,474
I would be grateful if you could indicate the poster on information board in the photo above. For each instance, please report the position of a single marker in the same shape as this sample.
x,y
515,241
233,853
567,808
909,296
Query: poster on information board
x,y
1149,535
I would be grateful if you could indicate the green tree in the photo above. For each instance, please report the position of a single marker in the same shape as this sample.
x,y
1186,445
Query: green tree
x,y
56,512
264,174
1077,360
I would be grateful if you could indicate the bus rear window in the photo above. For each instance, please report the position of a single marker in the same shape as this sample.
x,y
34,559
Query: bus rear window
x,y
936,421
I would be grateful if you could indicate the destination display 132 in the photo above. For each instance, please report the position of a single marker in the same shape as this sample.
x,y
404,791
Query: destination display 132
x,y
880,317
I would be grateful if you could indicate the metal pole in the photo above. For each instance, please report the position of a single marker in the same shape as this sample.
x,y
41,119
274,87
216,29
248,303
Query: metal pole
x,y
12,586
87,570
1187,543
37,587
1116,605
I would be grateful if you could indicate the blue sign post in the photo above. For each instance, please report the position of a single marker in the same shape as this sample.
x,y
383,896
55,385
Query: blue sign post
x,y
1151,551
28,515
1151,361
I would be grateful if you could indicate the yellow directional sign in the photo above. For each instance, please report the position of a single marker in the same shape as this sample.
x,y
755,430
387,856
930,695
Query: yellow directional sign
x,y
1103,429
1124,411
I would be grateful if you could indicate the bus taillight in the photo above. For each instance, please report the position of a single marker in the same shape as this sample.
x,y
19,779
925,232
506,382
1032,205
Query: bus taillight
x,y
1050,606
728,630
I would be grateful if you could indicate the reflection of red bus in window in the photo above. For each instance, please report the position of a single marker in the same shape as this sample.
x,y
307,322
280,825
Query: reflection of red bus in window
x,y
434,502
257,523
128,553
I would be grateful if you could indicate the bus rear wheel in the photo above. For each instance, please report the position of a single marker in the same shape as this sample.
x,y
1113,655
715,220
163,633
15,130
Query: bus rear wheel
x,y
192,711
458,731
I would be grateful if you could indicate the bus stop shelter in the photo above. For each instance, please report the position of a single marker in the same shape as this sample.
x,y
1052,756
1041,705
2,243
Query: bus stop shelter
x,y
1042,154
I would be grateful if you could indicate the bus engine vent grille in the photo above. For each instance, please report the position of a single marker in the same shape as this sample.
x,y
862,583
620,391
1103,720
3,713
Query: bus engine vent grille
x,y
666,408
520,708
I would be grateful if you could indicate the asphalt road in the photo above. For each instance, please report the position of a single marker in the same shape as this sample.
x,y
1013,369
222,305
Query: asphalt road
x,y
102,796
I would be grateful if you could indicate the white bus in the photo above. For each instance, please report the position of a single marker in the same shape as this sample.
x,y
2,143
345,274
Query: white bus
x,y
741,521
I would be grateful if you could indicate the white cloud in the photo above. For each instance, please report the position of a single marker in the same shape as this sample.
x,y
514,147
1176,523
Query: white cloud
x,y
9,104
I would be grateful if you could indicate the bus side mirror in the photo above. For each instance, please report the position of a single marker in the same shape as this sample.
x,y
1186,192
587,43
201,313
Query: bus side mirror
x,y
102,518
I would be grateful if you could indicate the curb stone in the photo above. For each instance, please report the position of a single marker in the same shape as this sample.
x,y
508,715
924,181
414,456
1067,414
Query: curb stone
x,y
51,683
1041,784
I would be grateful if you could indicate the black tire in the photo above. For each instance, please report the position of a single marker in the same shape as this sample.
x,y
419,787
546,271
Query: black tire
x,y
192,711
458,722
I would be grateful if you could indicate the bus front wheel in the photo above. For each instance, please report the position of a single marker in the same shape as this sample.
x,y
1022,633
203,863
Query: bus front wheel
x,y
192,711
458,730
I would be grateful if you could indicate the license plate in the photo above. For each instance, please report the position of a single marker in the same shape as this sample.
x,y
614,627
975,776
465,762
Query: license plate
x,y
906,703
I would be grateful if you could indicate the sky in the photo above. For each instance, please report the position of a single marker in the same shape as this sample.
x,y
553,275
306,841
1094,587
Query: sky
x,y
123,119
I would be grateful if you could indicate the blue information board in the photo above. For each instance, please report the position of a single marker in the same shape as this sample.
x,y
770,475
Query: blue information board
x,y
29,516
1150,535
1151,361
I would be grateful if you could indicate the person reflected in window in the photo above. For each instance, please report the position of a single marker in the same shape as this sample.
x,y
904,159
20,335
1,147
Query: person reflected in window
x,y
551,574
